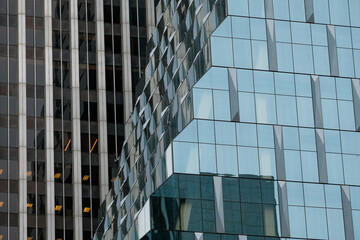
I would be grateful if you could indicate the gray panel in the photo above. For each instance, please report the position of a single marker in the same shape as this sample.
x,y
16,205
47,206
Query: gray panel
x,y
219,205
234,97
316,98
309,11
356,98
283,208
346,205
271,44
321,155
269,9
334,66
279,153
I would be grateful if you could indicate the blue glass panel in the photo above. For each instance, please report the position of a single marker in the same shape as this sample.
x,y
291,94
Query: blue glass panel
x,y
225,133
247,107
260,55
291,138
189,133
284,57
265,136
300,33
321,60
206,131
224,29
238,7
346,115
307,139
267,163
295,193
282,32
258,29
186,157
305,112
343,37
264,82
246,134
321,11
286,110
314,195
203,107
355,33
220,78
354,6
316,223
292,165
356,223
330,113
240,27
357,62
309,167
334,168
333,196
355,197
332,141
297,10
222,51
242,51
319,35
350,142
284,84
335,224
297,222
257,8
327,87
303,85
248,161
245,80
303,61
351,169
346,63
281,9
227,160
221,105
265,108
344,89
207,158
339,12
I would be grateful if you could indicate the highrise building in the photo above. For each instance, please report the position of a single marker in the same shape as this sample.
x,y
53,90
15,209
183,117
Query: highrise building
x,y
247,127
68,70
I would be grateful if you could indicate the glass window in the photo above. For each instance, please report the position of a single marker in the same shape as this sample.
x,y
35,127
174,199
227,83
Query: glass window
x,y
282,32
250,190
286,110
189,133
357,62
284,84
351,169
281,9
246,134
224,29
206,131
297,10
321,11
238,7
257,8
356,223
330,113
307,139
300,33
203,107
314,195
316,223
350,142
220,79
264,82
334,168
333,196
260,55
305,112
339,12
321,60
222,51
227,160
186,158
248,162
291,138
335,224
355,197
284,57
309,166
303,85
267,163
225,133
327,87
303,59
207,158
240,27
231,189
319,34
346,63
245,80
232,219
332,141
258,29
344,89
247,107
297,222
343,37
242,51
295,193
346,115
265,108
190,215
355,33
221,105
354,15
265,136
292,165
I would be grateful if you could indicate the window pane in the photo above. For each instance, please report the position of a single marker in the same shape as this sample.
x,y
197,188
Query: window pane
x,y
245,80
333,196
281,9
321,60
264,82
282,32
344,89
284,57
238,7
265,136
300,33
292,165
303,85
248,162
319,35
257,8
346,115
351,169
334,168
295,193
339,12
246,134
247,107
221,105
291,138
284,84
203,103
286,110
242,51
335,224
303,61
260,55
297,10
297,222
316,223
265,108
346,63
321,11
227,160
207,158
309,166
258,29
221,51
186,158
206,131
240,27
330,113
314,195
267,163
307,139
225,133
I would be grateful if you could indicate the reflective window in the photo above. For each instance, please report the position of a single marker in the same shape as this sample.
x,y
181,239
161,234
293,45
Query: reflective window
x,y
265,108
264,82
206,131
222,51
225,133
186,157
257,8
267,162
316,223
297,10
284,57
297,222
321,11
351,166
314,195
248,162
245,80
247,107
282,32
339,12
238,7
286,110
258,29
300,33
207,158
221,105
242,52
226,160
303,61
281,9
284,84
295,193
203,103
292,165
260,55
335,224
240,27
309,166
246,134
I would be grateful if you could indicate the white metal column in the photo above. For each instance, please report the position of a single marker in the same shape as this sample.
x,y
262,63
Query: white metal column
x,y
150,17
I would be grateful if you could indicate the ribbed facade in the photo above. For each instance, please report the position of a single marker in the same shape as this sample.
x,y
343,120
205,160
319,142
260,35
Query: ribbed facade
x,y
68,70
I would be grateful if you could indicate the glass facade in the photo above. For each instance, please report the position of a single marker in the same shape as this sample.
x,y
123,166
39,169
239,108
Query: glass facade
x,y
247,126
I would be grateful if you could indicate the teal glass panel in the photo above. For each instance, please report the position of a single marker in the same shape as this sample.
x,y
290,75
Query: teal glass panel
x,y
327,87
303,85
332,141
224,29
258,29
321,11
264,82
346,115
339,12
314,195
355,33
297,10
281,9
291,138
267,163
282,32
321,60
350,142
333,196
319,35
238,7
305,112
356,223
189,133
284,57
307,139
300,33
355,197
330,113
346,63
354,6
260,55
343,37
303,60
265,136
257,8
344,89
